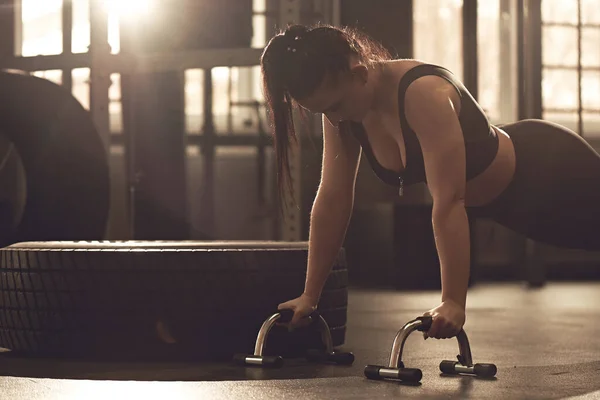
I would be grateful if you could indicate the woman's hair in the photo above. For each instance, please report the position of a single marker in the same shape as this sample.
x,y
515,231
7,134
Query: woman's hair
x,y
293,65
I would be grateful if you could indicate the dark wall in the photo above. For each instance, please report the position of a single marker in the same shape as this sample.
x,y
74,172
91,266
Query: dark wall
x,y
7,28
389,21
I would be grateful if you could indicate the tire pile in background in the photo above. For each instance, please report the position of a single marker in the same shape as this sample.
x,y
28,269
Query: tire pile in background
x,y
65,293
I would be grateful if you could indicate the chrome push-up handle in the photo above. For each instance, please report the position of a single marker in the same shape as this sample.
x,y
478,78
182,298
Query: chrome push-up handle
x,y
285,316
396,370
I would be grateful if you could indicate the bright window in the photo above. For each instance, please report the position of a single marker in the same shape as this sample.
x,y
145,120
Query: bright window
x,y
115,106
497,59
42,35
81,87
438,33
560,57
230,84
438,40
42,27
194,100
53,75
81,26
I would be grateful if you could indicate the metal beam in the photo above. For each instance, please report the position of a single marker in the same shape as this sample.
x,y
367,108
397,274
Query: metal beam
x,y
197,59
579,72
7,28
100,70
571,110
530,106
530,59
290,13
569,25
508,95
18,28
208,150
336,12
67,34
469,43
223,140
41,63
594,68
157,156
132,63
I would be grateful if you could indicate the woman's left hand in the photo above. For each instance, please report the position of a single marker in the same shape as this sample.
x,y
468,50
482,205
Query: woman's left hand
x,y
447,320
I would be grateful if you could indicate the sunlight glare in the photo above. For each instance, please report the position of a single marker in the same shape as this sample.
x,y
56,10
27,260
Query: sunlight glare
x,y
129,8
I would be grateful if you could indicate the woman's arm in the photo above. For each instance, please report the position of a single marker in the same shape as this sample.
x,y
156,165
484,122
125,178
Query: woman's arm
x,y
451,230
332,207
431,111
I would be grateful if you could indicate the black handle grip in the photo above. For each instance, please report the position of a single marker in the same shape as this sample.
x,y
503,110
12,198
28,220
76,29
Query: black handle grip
x,y
410,374
272,361
286,316
425,323
485,370
372,372
239,359
342,358
448,367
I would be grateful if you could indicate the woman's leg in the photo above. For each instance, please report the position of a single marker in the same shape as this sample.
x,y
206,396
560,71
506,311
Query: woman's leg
x,y
555,195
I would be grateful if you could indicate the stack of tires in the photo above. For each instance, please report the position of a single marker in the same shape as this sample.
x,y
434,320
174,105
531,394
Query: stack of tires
x,y
111,300
65,294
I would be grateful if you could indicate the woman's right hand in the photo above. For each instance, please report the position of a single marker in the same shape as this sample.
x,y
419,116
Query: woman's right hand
x,y
302,307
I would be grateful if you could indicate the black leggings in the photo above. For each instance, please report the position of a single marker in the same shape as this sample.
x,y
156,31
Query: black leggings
x,y
554,197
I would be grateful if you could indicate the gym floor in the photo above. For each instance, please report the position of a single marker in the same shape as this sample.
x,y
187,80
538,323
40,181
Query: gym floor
x,y
545,343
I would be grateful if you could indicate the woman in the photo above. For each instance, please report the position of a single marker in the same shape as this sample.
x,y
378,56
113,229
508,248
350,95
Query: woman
x,y
416,122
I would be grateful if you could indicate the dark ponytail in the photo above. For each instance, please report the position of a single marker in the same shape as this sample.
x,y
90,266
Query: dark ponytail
x,y
293,65
284,135
279,103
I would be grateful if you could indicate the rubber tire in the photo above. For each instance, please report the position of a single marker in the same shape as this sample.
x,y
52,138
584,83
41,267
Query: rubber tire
x,y
65,162
13,190
102,300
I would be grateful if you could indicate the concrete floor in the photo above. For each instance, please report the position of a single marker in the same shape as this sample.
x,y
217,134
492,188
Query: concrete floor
x,y
545,342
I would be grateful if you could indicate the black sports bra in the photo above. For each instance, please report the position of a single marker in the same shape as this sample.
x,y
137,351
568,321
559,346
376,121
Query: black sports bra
x,y
481,141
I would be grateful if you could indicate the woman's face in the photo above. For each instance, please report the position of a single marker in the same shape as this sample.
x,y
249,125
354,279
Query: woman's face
x,y
345,97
